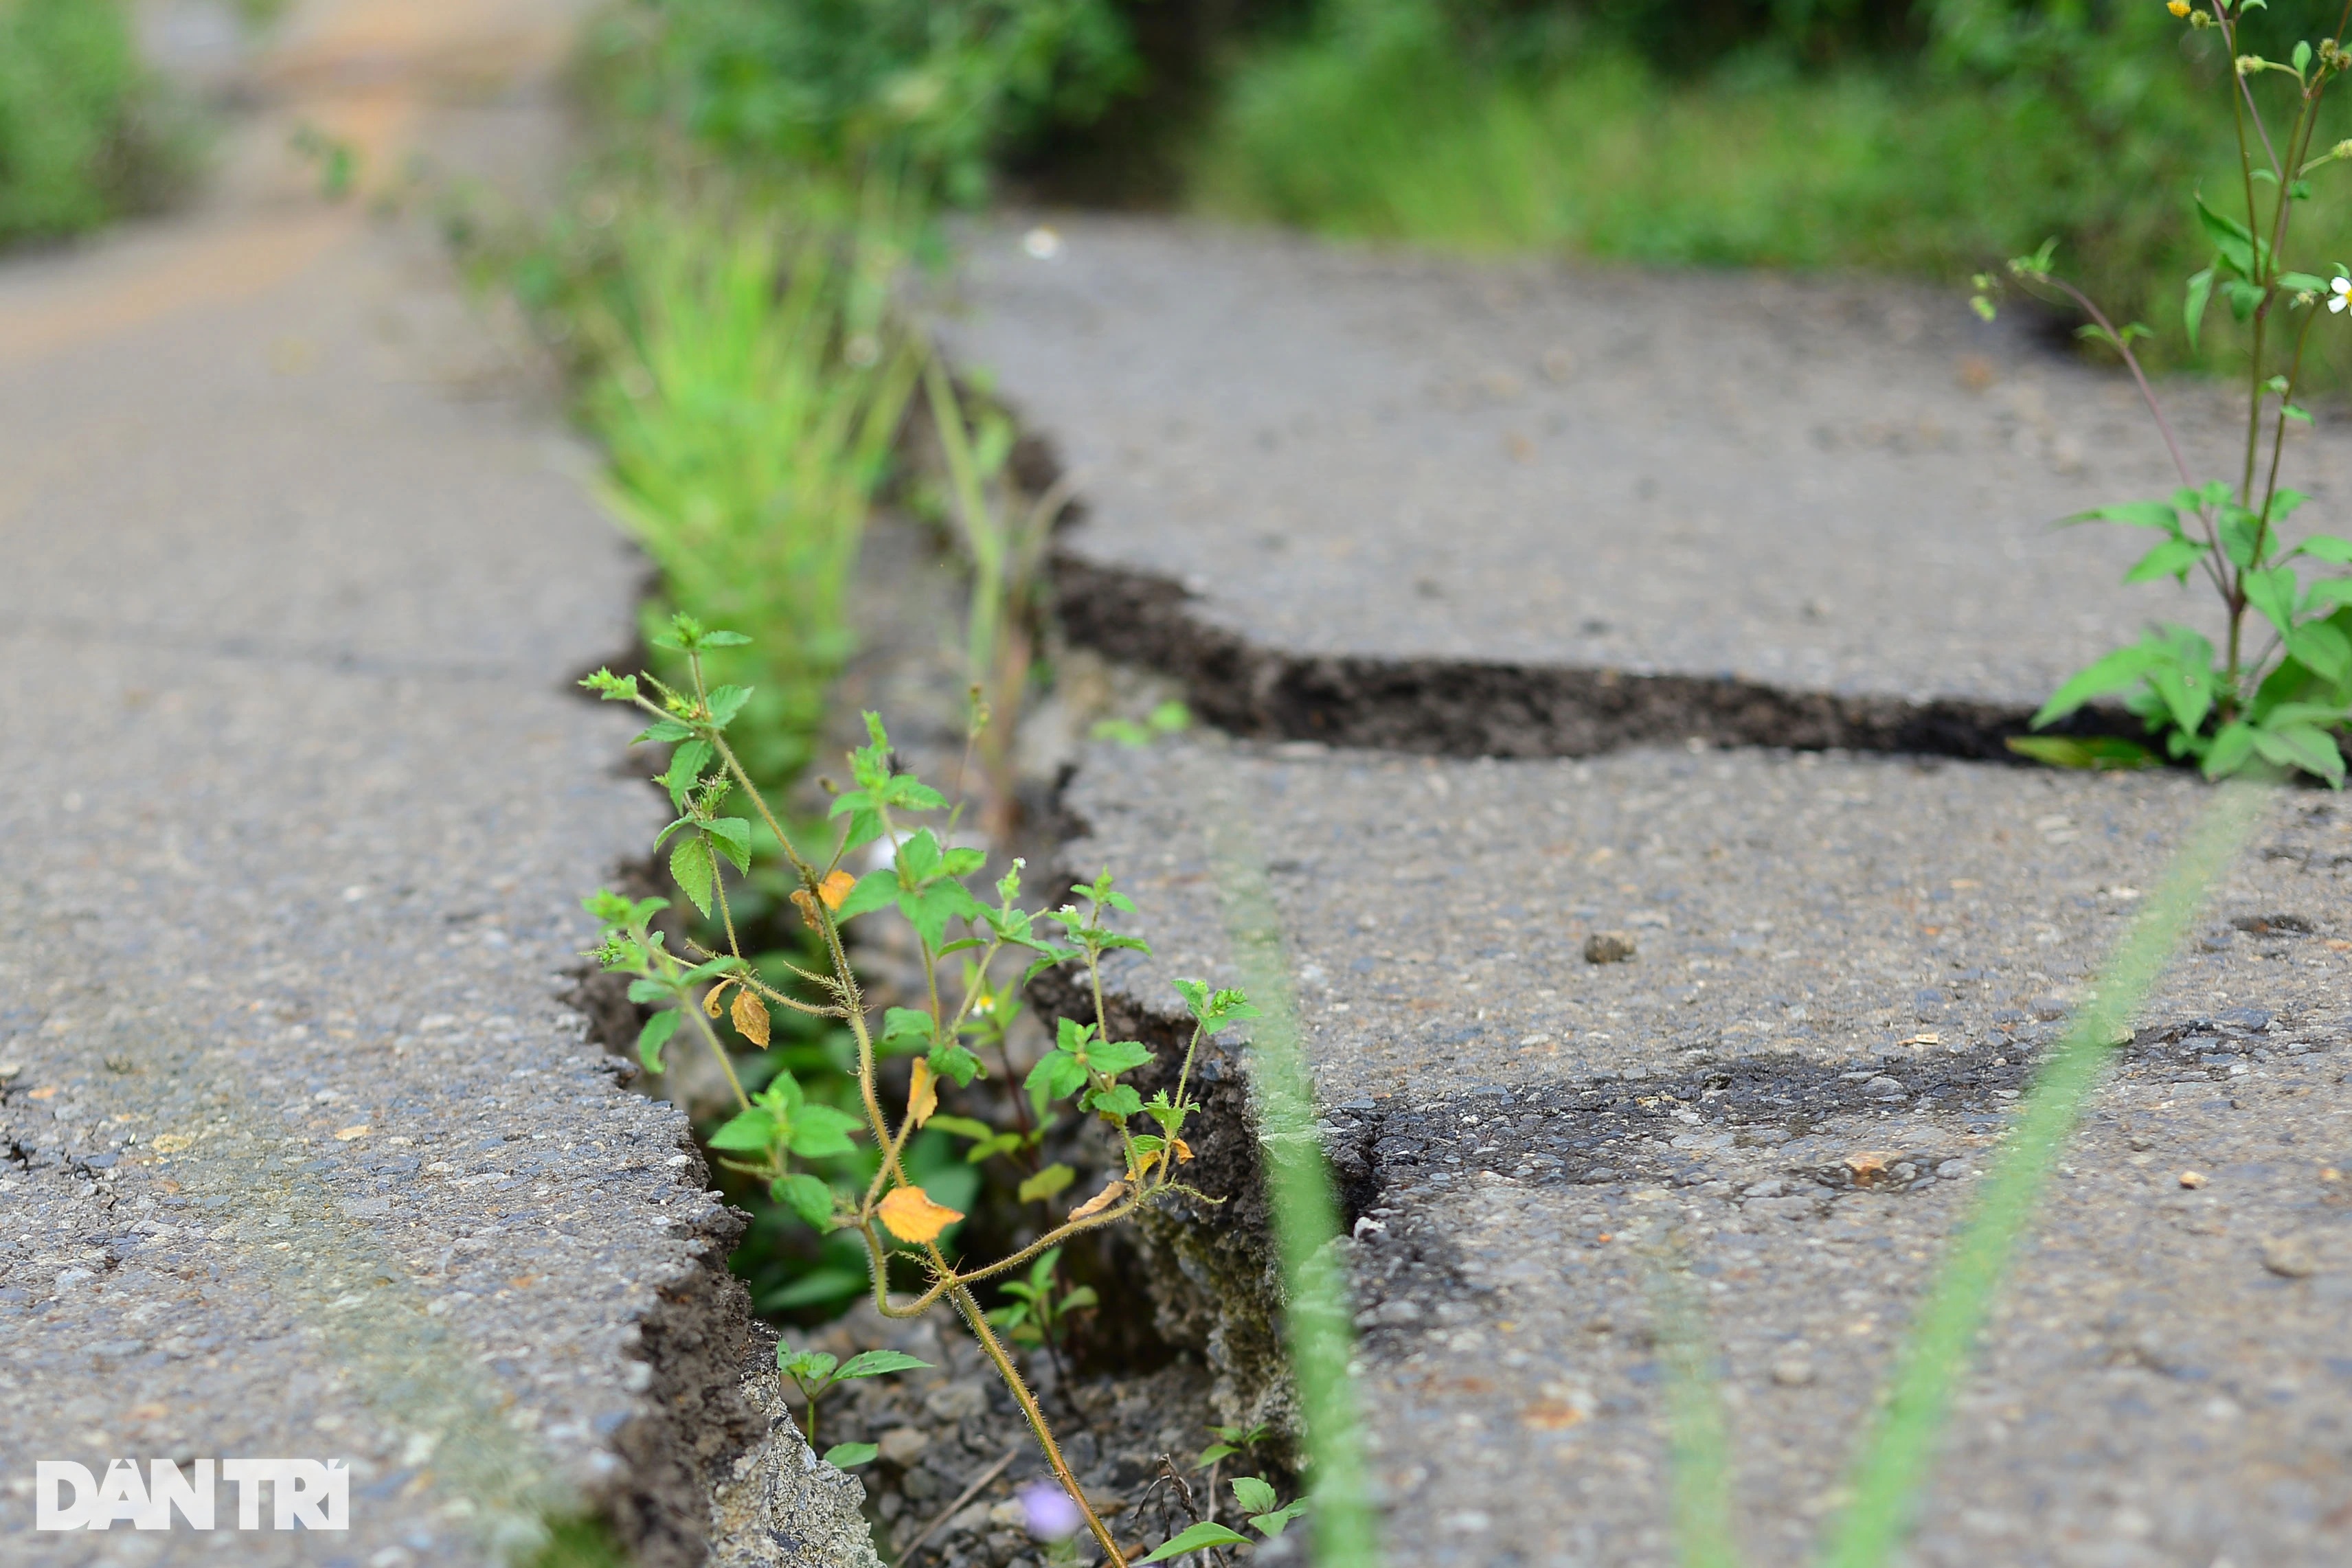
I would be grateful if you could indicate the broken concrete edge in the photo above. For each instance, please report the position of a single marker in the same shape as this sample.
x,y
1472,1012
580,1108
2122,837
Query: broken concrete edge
x,y
1467,707
715,1469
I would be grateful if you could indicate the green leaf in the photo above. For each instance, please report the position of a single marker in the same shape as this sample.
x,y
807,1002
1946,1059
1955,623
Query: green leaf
x,y
686,765
2274,592
2124,667
2230,237
909,793
820,1131
2131,513
1113,1057
1047,1183
2302,283
807,1365
1213,1453
1058,1074
2327,548
2188,694
2200,289
725,640
1271,1524
2329,591
2171,558
2233,748
2322,716
732,835
1120,1101
650,991
2304,747
690,868
654,1036
961,1127
949,1060
662,732
2242,533
930,909
805,1196
875,890
2103,753
1199,1538
849,1456
1255,1495
2322,649
748,1132
919,858
712,968
878,1364
905,1031
726,702
2244,298
989,1148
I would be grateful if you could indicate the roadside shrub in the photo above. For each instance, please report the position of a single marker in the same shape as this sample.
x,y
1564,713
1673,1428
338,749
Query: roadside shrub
x,y
930,91
87,133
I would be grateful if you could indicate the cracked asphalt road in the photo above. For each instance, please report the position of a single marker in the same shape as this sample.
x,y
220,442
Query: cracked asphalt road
x,y
303,1152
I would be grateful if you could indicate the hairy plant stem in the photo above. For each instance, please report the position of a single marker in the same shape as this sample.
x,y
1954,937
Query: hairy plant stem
x,y
969,1306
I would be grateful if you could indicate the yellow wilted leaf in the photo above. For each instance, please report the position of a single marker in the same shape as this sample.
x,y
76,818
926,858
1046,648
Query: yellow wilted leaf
x,y
710,998
835,887
1184,1150
922,1093
1100,1201
911,1215
750,1016
806,906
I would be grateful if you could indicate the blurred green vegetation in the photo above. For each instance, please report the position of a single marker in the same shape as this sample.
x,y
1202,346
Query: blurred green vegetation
x,y
1933,140
927,93
88,134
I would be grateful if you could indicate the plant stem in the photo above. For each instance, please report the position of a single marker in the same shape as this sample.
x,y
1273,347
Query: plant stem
x,y
969,1306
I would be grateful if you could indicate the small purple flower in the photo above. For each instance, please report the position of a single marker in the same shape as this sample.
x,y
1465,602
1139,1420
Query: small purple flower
x,y
1051,1515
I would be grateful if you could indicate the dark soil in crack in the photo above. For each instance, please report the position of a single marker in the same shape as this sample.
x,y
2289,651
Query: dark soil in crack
x,y
1450,707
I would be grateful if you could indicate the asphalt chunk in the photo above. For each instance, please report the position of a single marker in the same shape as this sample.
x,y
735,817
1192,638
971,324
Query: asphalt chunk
x,y
1517,508
1847,968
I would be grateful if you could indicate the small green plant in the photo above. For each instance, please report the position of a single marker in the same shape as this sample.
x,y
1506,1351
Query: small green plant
x,y
1004,536
1168,718
1260,1505
2279,691
1230,1440
776,1134
748,386
337,159
813,1371
1039,1314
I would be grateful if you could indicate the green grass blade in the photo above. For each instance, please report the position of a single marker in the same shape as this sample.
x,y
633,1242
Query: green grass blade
x,y
1300,1191
1698,1445
1890,1474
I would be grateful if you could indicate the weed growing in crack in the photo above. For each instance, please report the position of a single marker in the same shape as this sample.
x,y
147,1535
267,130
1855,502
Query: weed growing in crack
x,y
2284,704
1005,536
783,1137
813,1371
